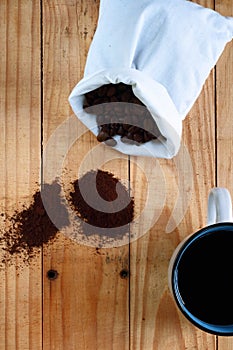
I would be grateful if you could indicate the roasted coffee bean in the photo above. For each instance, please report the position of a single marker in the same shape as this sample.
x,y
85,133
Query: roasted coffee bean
x,y
112,131
146,137
126,96
113,99
122,87
97,101
135,100
126,126
111,91
138,138
102,91
129,135
105,127
133,129
102,136
120,131
134,124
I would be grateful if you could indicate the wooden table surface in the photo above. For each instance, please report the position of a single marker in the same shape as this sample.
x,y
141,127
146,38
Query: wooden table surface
x,y
43,49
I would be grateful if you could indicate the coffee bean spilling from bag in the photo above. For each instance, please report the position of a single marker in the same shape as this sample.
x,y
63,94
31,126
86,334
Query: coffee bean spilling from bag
x,y
131,119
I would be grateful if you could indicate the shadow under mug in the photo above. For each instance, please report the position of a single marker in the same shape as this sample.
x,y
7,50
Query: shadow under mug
x,y
200,273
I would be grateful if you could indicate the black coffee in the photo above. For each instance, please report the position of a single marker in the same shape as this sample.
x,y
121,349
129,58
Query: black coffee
x,y
205,278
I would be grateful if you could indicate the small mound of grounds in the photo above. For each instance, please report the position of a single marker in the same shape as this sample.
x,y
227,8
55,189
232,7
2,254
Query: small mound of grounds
x,y
96,186
27,230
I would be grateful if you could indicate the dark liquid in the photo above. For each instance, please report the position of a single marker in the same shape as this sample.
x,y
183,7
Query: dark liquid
x,y
205,278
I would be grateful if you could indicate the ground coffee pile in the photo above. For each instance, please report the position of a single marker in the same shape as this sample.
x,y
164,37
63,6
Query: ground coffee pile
x,y
96,185
135,125
28,230
31,228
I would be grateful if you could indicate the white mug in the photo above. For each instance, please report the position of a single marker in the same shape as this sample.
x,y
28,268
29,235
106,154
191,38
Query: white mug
x,y
200,273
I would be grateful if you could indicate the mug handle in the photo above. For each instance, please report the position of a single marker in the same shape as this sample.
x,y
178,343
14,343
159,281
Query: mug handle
x,y
219,206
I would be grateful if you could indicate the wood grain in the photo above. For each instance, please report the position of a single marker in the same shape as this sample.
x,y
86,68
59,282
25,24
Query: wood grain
x,y
224,106
89,305
155,322
20,123
86,307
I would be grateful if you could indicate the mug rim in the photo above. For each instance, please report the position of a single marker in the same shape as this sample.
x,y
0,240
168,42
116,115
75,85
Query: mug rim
x,y
222,330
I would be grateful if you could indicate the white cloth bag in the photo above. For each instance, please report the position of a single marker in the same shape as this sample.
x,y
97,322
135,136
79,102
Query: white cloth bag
x,y
165,49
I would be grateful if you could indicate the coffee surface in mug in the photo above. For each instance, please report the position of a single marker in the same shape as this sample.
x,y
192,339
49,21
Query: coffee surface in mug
x,y
205,277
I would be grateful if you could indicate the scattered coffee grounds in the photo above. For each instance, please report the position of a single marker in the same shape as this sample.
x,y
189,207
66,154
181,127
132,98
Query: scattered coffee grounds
x,y
135,125
31,228
96,186
28,230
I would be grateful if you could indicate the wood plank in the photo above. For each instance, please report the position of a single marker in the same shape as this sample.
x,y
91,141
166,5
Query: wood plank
x,y
155,322
20,285
86,307
224,103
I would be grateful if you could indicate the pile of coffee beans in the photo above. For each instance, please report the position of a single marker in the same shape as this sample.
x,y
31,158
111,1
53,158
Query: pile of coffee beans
x,y
131,119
